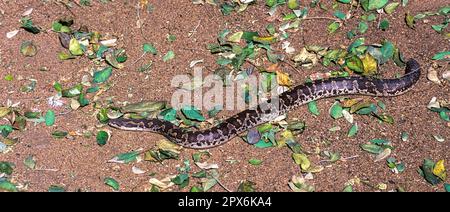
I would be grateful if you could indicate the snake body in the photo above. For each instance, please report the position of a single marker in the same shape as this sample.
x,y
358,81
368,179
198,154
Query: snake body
x,y
265,112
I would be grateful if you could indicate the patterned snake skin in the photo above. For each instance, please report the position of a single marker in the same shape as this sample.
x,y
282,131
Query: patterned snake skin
x,y
266,112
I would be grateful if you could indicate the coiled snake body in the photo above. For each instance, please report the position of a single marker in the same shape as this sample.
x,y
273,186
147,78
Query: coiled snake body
x,y
266,112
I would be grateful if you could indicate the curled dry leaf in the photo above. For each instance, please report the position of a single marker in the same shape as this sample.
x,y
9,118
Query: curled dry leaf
x,y
306,59
12,33
383,155
348,116
195,62
137,170
164,183
27,12
446,75
434,103
207,166
433,75
109,43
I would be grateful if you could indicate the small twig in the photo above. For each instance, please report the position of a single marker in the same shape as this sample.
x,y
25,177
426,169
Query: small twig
x,y
342,159
215,178
141,24
292,66
47,170
192,32
140,58
253,64
220,183
326,18
67,7
192,49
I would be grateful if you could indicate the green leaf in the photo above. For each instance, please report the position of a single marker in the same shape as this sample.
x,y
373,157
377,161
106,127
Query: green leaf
x,y
312,106
9,77
5,130
372,148
50,118
380,142
28,25
55,188
200,174
348,188
442,55
363,27
169,114
28,49
271,3
384,24
180,179
355,64
373,4
404,3
196,189
263,144
112,183
387,50
271,29
213,112
336,111
7,186
149,48
6,168
59,134
391,7
169,56
125,157
72,92
30,162
427,170
192,113
102,116
102,138
357,43
447,187
333,27
345,1
410,20
404,136
65,56
353,130
293,4
247,186
255,162
171,38
340,15
103,75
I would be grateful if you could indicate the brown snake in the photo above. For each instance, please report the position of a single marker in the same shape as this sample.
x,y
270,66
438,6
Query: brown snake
x,y
267,111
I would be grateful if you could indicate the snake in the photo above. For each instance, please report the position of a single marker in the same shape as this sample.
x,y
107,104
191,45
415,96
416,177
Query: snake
x,y
268,111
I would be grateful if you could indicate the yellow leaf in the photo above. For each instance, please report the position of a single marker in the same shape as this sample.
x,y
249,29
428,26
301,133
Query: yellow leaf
x,y
350,102
169,146
369,64
302,160
75,47
283,79
439,170
264,40
4,111
236,37
144,3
